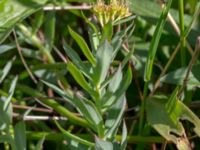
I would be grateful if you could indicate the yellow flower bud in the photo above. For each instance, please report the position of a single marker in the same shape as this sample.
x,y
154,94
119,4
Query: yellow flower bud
x,y
114,11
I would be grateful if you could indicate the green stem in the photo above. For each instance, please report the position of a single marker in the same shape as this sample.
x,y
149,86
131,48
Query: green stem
x,y
10,136
142,109
59,137
182,32
36,42
6,146
56,106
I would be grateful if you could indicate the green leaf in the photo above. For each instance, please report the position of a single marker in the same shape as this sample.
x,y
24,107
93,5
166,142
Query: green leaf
x,y
6,69
7,47
103,56
90,112
115,81
76,59
11,92
54,104
178,76
38,21
79,78
94,41
50,23
128,57
6,107
187,114
20,136
5,117
155,41
103,145
30,53
40,143
114,117
74,137
118,39
124,20
150,11
93,27
5,138
124,137
50,75
13,11
50,72
84,106
74,145
171,106
159,118
145,8
165,118
83,45
110,98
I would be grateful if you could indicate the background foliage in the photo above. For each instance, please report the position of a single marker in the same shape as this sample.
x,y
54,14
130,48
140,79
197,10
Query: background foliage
x,y
144,71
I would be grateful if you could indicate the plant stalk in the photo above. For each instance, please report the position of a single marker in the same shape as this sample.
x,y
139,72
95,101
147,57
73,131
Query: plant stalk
x,y
142,109
59,137
182,32
36,42
56,106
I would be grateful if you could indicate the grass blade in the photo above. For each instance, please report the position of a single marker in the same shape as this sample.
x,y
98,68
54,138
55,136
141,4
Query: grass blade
x,y
155,41
50,23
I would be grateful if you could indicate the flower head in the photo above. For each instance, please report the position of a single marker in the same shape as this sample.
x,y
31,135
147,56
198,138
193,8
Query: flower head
x,y
113,11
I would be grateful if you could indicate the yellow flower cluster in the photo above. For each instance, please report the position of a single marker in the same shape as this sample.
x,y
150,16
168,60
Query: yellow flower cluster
x,y
114,11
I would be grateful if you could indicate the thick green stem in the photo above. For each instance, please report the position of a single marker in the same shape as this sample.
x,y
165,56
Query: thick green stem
x,y
56,106
182,32
36,42
60,137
